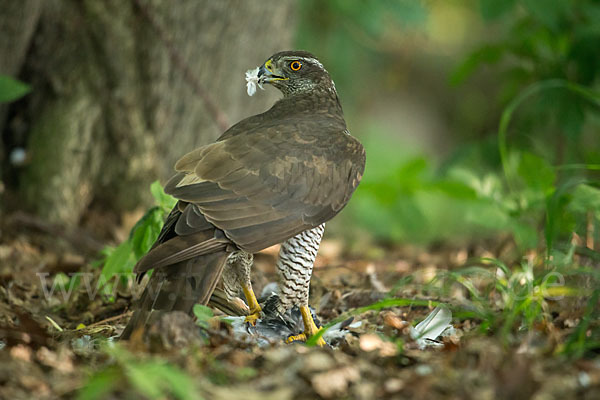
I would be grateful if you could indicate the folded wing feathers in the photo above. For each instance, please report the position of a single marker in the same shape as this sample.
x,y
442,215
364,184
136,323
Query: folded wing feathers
x,y
180,248
257,198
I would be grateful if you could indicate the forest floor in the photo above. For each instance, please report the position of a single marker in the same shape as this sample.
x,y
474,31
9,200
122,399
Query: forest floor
x,y
55,348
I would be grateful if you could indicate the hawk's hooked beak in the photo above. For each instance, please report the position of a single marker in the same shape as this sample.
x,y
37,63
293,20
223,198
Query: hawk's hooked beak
x,y
267,73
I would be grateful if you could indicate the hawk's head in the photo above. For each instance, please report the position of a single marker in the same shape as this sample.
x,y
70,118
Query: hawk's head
x,y
295,72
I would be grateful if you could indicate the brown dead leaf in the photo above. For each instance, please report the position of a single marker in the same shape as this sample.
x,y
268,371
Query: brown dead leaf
x,y
37,388
317,361
28,331
393,321
249,392
393,385
60,361
335,383
371,342
21,352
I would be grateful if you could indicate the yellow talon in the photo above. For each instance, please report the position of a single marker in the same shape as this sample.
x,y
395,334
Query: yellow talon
x,y
255,309
252,318
296,338
310,328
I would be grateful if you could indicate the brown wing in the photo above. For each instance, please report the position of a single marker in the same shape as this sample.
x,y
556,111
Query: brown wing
x,y
267,184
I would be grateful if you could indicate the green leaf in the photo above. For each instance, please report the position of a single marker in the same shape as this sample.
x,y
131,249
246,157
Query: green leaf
x,y
585,198
410,176
153,378
488,54
203,314
12,89
526,236
100,384
548,13
119,261
556,203
572,116
180,384
536,172
146,232
164,200
491,9
458,190
147,379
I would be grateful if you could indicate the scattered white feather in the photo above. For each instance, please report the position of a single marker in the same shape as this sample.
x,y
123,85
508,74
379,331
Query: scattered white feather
x,y
436,324
252,81
338,331
271,288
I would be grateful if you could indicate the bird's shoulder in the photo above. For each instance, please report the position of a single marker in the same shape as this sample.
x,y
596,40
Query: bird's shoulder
x,y
270,178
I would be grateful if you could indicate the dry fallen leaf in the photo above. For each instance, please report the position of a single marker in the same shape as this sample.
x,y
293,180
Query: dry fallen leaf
x,y
21,352
335,383
61,362
371,342
393,321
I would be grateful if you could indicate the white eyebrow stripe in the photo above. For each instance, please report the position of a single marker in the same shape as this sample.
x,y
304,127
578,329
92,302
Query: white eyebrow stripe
x,y
309,60
313,61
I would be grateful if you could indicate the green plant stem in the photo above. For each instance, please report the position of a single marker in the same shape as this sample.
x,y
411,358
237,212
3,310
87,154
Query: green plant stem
x,y
387,303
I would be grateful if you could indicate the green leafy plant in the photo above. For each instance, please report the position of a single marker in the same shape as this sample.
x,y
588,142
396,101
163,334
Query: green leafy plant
x,y
203,314
546,152
12,89
507,300
153,378
119,261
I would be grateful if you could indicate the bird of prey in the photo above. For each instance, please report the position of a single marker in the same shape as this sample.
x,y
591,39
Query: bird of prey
x,y
275,177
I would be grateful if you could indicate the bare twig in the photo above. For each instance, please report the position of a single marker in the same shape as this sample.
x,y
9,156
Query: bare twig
x,y
217,115
111,319
374,280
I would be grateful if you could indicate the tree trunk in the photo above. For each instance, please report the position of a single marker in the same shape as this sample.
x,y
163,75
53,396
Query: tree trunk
x,y
115,102
18,20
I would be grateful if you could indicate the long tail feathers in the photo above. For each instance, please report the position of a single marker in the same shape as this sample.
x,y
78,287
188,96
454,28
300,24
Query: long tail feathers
x,y
177,288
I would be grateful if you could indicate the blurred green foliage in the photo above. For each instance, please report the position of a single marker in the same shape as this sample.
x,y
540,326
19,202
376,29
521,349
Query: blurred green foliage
x,y
533,172
132,377
524,126
345,35
203,314
118,262
531,175
524,295
12,89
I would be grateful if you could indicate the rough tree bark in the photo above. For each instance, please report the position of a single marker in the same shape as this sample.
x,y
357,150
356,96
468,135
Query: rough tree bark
x,y
18,20
111,110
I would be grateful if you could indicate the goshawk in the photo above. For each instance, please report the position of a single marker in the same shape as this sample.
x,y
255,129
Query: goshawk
x,y
275,177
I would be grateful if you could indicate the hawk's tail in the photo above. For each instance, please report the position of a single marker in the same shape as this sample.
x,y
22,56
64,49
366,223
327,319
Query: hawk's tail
x,y
177,287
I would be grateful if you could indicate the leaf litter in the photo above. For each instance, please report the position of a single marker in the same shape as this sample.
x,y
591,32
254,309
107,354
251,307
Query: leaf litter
x,y
381,352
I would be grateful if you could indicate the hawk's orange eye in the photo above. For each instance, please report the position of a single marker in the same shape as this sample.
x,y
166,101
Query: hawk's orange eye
x,y
295,65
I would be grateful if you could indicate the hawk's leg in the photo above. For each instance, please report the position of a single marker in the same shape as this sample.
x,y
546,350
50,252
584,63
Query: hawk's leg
x,y
310,328
236,275
295,265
